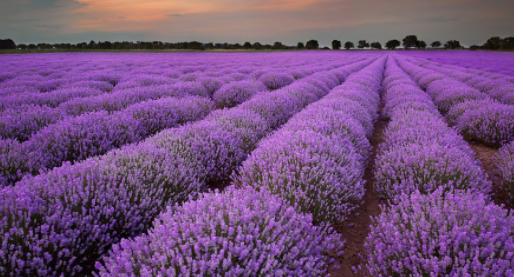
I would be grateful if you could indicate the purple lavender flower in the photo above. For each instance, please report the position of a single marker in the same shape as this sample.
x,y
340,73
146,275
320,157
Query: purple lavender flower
x,y
237,232
490,124
504,167
235,93
312,172
452,234
273,80
21,122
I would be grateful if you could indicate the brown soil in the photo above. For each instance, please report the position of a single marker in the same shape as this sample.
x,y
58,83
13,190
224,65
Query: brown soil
x,y
486,155
356,229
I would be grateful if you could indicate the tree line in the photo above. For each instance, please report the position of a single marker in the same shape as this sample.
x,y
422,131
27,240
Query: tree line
x,y
409,42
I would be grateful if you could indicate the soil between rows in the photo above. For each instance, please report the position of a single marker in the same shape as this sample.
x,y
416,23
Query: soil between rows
x,y
486,156
355,230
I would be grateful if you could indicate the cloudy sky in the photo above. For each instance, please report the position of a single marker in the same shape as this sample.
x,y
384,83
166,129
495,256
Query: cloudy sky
x,y
289,21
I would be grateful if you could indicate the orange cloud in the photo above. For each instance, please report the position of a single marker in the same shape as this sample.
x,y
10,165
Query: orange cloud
x,y
119,15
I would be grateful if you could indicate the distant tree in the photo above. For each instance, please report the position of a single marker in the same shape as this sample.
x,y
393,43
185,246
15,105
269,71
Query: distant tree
x,y
392,44
475,47
421,44
435,44
247,45
375,45
349,45
493,43
497,43
325,48
336,44
312,44
363,44
278,45
7,44
508,43
257,46
453,44
410,41
300,45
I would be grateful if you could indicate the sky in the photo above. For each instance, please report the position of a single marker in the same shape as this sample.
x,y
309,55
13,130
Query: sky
x,y
266,21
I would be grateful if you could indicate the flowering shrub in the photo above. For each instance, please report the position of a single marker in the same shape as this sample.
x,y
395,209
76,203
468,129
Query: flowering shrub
x,y
426,167
14,162
238,232
236,93
62,221
156,115
420,152
312,161
21,122
51,99
440,234
505,169
447,93
273,80
312,172
459,109
122,98
489,124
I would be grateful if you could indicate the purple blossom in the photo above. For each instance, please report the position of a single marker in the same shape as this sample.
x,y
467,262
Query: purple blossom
x,y
237,232
235,93
504,168
452,234
490,124
273,80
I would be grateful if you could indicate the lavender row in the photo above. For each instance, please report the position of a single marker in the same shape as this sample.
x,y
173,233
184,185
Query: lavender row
x,y
420,152
317,160
441,234
42,74
476,116
78,138
93,134
70,216
313,162
500,89
439,221
504,169
21,122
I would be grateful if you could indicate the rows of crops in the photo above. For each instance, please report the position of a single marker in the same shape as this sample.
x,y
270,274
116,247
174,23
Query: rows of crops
x,y
249,164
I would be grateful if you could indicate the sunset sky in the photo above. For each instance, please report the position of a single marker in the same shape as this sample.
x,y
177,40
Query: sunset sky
x,y
289,21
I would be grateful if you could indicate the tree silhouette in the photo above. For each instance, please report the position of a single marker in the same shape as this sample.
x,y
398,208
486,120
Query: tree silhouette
x,y
348,45
392,44
7,44
453,44
435,44
363,44
410,41
375,45
336,44
312,44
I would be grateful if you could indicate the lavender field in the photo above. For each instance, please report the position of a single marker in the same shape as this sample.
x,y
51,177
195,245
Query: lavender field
x,y
293,163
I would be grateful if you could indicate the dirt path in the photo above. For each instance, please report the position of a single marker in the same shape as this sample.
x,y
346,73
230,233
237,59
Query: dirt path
x,y
356,229
486,155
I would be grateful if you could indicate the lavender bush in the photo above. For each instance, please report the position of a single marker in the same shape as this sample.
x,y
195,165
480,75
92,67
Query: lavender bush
x,y
238,232
504,167
438,234
235,93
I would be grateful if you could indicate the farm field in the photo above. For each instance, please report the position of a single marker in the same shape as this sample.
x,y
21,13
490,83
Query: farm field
x,y
293,163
